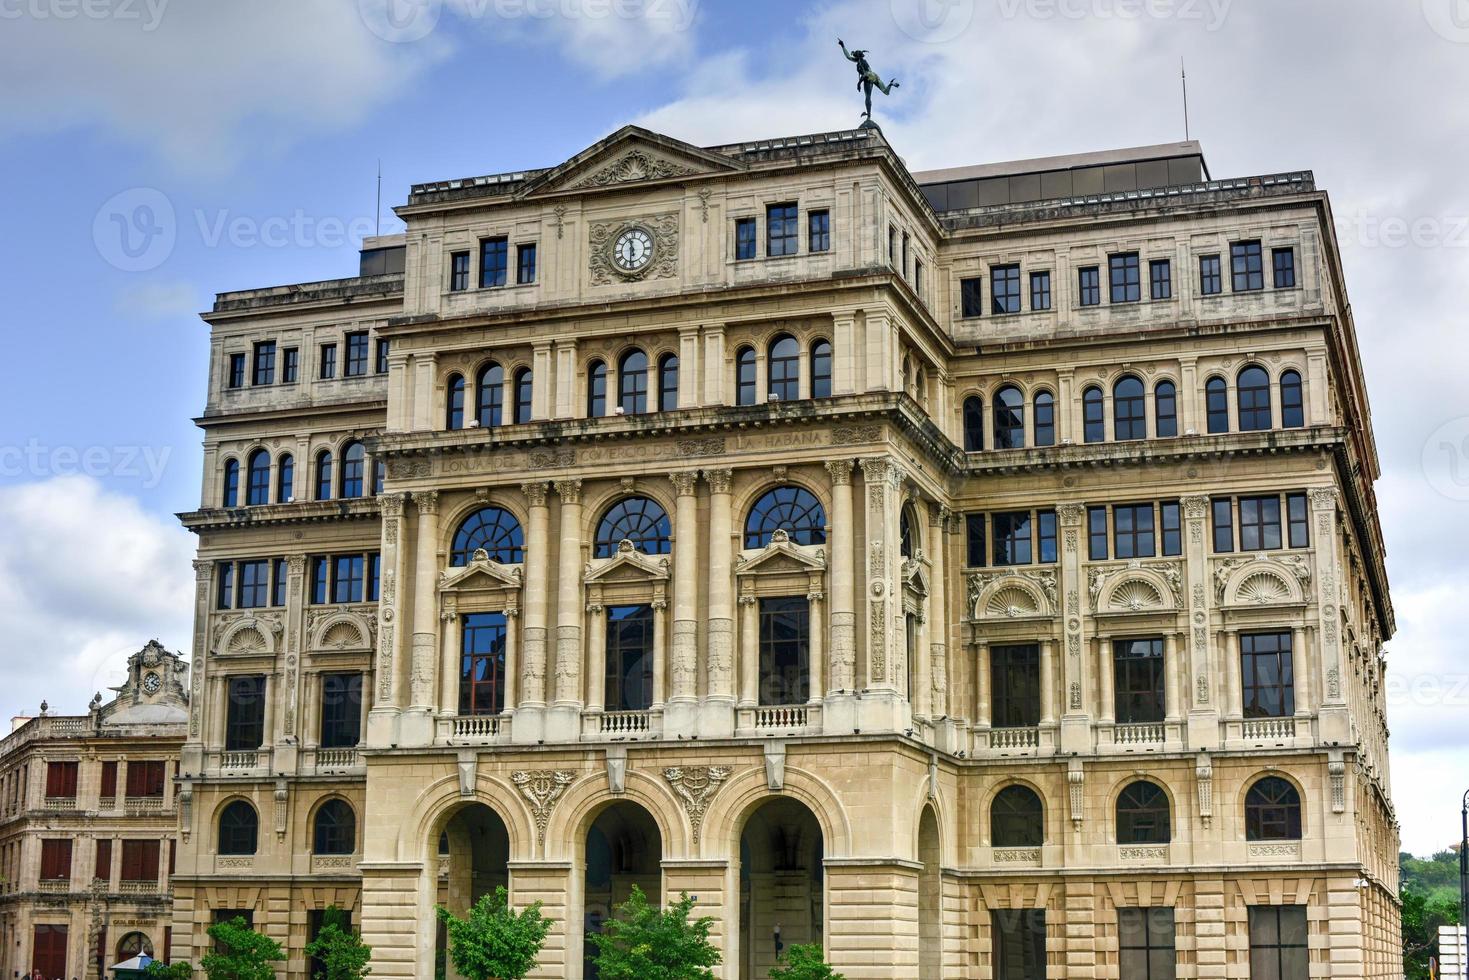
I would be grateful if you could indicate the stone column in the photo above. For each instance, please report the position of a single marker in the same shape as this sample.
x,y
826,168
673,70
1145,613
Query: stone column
x,y
543,382
1172,674
1048,683
842,574
1107,698
714,365
720,638
689,375
846,367
596,656
416,727
569,604
1230,640
816,673
1301,671
393,603
1076,730
512,657
938,610
884,603
449,658
749,651
425,384
566,376
528,726
660,654
982,685
1201,674
684,659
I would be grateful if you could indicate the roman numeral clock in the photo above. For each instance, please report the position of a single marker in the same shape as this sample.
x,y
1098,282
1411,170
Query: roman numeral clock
x,y
634,250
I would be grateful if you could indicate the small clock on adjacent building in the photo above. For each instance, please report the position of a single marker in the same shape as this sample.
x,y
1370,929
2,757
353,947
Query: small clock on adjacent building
x,y
151,683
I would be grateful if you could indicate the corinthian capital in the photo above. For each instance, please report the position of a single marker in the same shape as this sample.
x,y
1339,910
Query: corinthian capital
x,y
569,491
720,481
535,493
840,471
427,501
684,483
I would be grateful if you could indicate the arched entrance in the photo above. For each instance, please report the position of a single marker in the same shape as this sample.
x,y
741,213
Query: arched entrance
x,y
623,849
782,884
474,859
930,899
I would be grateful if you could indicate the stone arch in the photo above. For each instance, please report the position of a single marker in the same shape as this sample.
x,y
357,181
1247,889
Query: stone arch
x,y
440,800
1008,597
1178,822
1138,590
1237,808
586,798
596,504
1262,583
452,517
744,792
249,636
745,498
336,632
937,803
930,894
1050,812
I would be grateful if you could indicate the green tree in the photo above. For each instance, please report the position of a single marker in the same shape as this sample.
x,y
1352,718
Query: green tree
x,y
643,943
493,942
805,963
1423,913
241,953
160,970
340,950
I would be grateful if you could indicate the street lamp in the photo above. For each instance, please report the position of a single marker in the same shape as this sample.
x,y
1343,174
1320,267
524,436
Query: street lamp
x,y
1464,888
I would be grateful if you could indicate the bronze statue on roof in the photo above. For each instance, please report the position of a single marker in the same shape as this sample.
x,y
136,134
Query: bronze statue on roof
x,y
867,79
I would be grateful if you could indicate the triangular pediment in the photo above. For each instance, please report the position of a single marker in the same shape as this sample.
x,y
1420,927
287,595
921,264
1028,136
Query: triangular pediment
x,y
481,573
632,155
628,565
915,574
781,556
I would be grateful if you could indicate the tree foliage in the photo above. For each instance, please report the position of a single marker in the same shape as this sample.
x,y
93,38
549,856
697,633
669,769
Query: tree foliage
x,y
242,953
160,970
1430,895
493,942
643,942
805,963
341,950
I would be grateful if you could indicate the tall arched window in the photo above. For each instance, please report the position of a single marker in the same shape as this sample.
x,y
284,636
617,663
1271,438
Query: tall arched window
x,y
1043,415
1129,410
454,402
1165,409
784,369
907,533
668,383
285,479
973,424
493,529
1142,814
792,509
635,519
257,481
524,387
1272,810
489,393
821,369
324,475
334,830
239,829
1093,415
1292,401
1017,818
1009,418
1216,404
1253,394
745,376
596,389
354,467
230,497
632,382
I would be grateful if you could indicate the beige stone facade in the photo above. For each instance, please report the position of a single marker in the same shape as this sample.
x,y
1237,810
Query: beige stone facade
x,y
88,815
914,564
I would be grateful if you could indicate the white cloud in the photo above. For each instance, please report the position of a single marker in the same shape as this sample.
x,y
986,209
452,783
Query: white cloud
x,y
158,299
86,578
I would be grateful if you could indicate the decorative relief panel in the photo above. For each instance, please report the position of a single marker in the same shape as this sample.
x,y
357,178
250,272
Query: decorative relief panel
x,y
541,789
696,786
661,228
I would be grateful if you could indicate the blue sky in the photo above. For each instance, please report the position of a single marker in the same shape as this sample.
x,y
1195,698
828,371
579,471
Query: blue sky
x,y
244,118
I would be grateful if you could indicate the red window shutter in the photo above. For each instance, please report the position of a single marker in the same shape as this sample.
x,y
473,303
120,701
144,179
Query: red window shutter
x,y
61,780
55,859
104,860
172,855
140,860
109,779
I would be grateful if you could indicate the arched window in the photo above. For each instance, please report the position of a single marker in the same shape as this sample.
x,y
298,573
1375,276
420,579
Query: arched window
x,y
454,402
632,382
907,533
1017,818
1253,394
1129,410
973,424
668,383
133,944
335,829
1142,814
285,479
784,369
596,389
792,509
1292,401
1009,418
1093,416
745,376
239,829
324,475
635,519
493,529
354,466
489,393
1216,403
231,495
1165,409
821,369
379,475
1272,810
524,383
1043,415
257,482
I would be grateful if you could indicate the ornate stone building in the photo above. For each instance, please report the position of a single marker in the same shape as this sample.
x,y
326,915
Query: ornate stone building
x,y
976,572
87,821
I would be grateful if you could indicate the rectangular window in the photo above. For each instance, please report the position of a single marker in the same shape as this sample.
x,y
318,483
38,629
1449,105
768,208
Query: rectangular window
x,y
459,271
892,245
1096,533
254,585
782,230
236,376
1284,260
745,238
1089,286
974,540
1211,282
1223,509
1145,944
347,578
905,255
628,664
971,298
1266,681
1012,538
785,650
1246,266
525,264
1019,937
244,726
279,582
1015,685
320,580
1172,528
1160,278
109,780
1279,943
328,362
48,951
1045,523
1040,290
1132,531
482,664
224,586
380,362
341,710
61,780
55,859
140,860
102,869
356,354
1004,289
818,231
1259,523
374,576
264,373
145,779
290,365
494,261
1300,524
1138,676
1125,277
918,277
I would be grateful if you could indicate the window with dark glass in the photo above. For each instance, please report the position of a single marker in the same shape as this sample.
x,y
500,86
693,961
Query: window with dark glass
x,y
341,710
1279,943
235,375
745,376
482,664
976,555
494,260
1009,418
264,371
61,780
784,369
354,467
668,383
1132,531
374,576
1096,533
290,365
1211,280
1126,277
1143,815
971,297
1045,535
224,587
1089,285
454,402
379,475
357,351
492,529
1223,515
334,831
629,663
818,231
244,726
328,362
1246,266
285,489
1216,403
821,369
744,238
347,578
1272,810
785,645
792,509
1165,409
1284,260
1019,938
489,393
55,859
1004,289
239,829
1160,278
257,478
782,232
1145,943
380,359
1298,521
1266,677
892,245
1093,415
1254,399
254,585
1172,527
1017,818
523,392
1259,523
637,520
323,475
1015,686
459,271
1137,671
596,389
525,263
1043,415
1129,410
1012,538
632,382
1292,401
1040,290
320,580
145,778
973,424
280,581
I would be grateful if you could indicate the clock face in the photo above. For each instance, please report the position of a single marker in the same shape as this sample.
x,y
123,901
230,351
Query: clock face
x,y
633,250
151,683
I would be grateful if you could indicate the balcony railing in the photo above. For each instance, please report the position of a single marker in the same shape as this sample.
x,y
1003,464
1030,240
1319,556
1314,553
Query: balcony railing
x,y
1270,728
54,885
476,726
626,723
336,758
1015,738
784,716
142,804
1149,733
107,804
239,760
138,887
60,803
